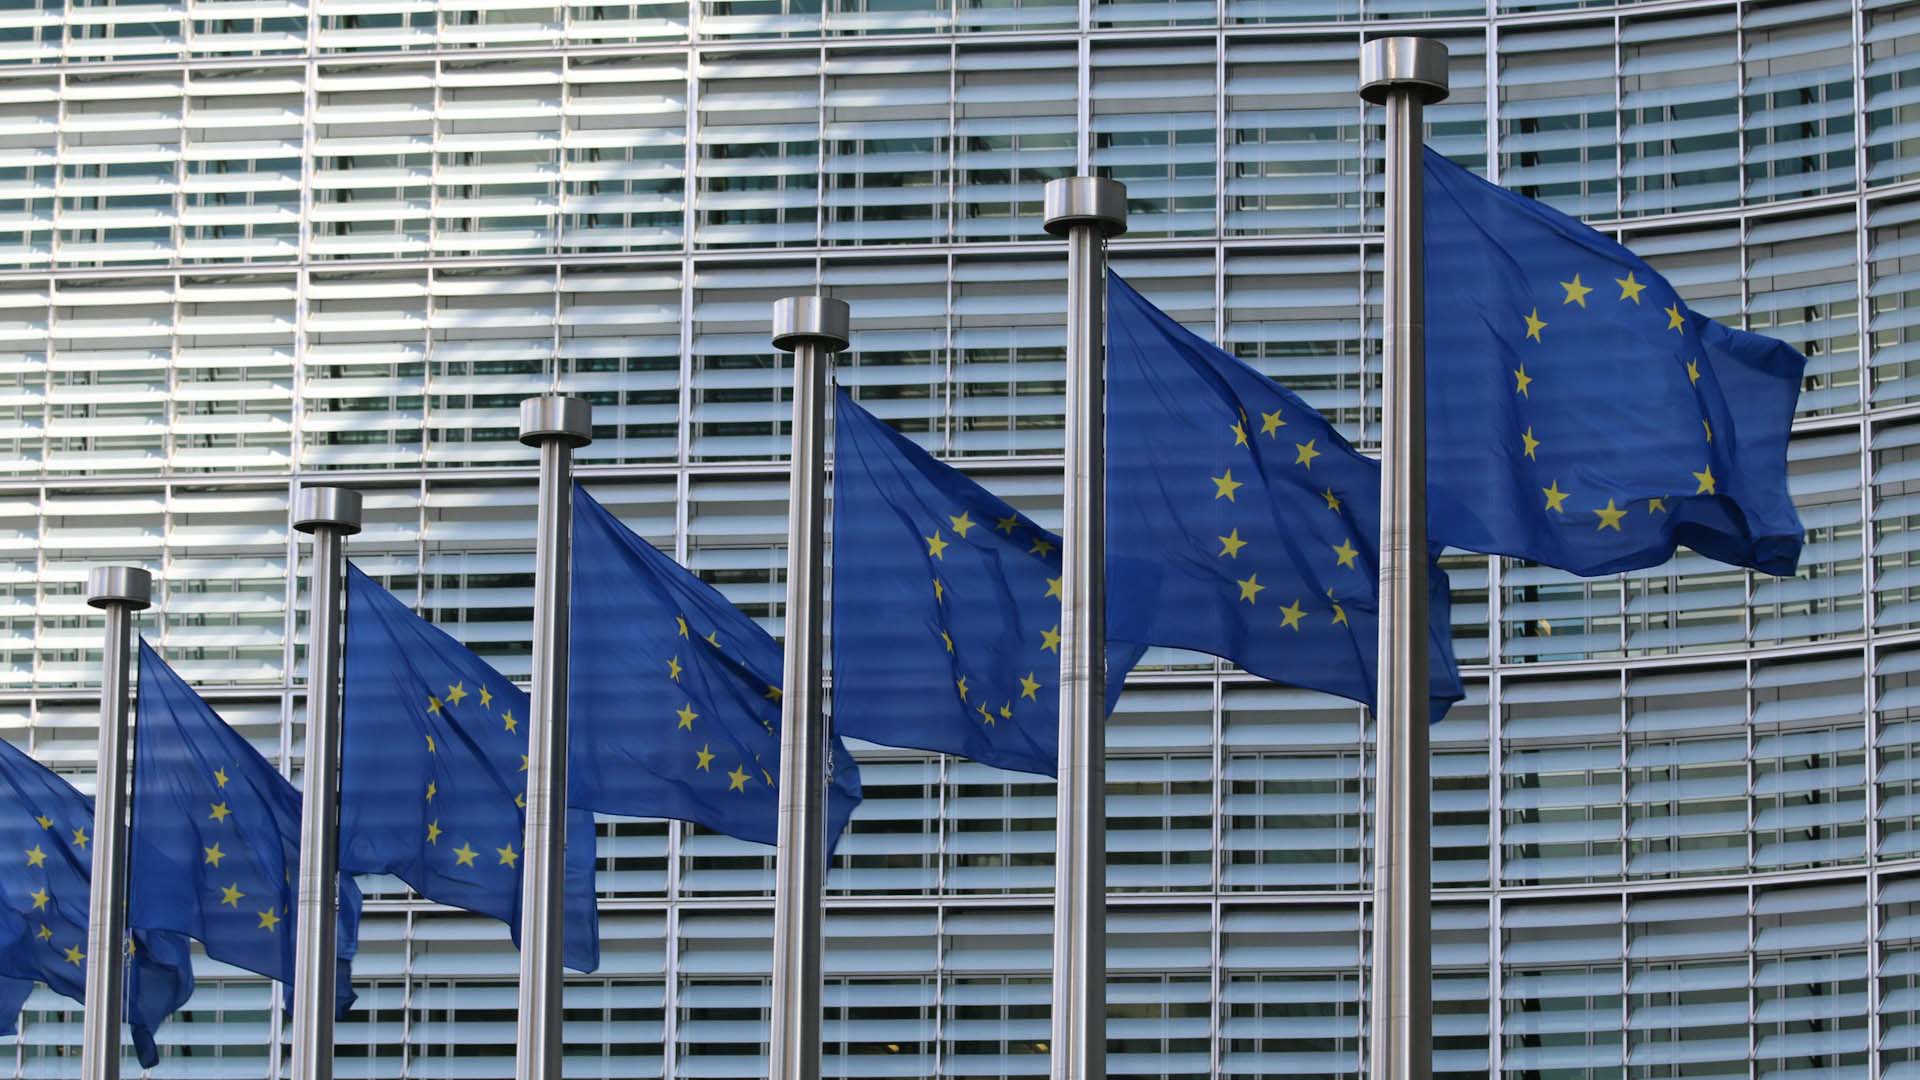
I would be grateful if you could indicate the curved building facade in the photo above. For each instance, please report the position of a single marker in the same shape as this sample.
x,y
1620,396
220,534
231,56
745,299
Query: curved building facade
x,y
246,244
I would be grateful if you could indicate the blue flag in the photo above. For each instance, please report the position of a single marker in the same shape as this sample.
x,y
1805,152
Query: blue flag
x,y
13,995
215,840
1239,523
675,693
1578,413
946,607
432,776
46,867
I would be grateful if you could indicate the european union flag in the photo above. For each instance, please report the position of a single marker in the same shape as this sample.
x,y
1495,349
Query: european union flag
x,y
214,845
946,607
1239,523
13,995
432,784
1578,413
675,693
46,868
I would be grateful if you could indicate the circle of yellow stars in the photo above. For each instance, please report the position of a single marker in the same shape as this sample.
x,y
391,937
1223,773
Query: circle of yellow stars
x,y
1226,488
1041,546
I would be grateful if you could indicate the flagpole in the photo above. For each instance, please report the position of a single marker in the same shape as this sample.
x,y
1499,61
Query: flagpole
x,y
812,328
1403,74
557,426
330,515
1087,210
119,591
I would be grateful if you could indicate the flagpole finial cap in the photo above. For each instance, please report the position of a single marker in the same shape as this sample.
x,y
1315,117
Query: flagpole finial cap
x,y
553,418
810,320
337,508
1085,200
1403,63
124,586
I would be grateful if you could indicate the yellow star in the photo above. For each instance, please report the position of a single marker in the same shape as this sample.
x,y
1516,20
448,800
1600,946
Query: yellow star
x,y
1250,587
434,831
1239,433
430,748
456,693
1029,687
1529,444
1304,453
231,895
1008,524
1609,517
713,638
40,898
1270,424
673,668
1706,482
219,812
1333,501
523,763
737,779
464,855
1006,710
36,857
1522,380
1674,319
220,777
1339,613
1050,639
961,684
1629,288
986,716
268,920
1292,613
681,621
1225,486
74,955
214,854
1534,324
80,839
508,856
1693,372
1231,544
433,704
961,524
1656,504
936,547
520,800
939,590
432,790
1056,588
508,719
766,777
1042,547
687,716
1576,292
47,822
948,638
705,758
45,933
1345,552
486,698
772,694
1555,497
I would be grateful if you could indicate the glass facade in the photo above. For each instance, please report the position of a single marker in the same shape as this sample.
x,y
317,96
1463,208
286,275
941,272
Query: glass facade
x,y
245,245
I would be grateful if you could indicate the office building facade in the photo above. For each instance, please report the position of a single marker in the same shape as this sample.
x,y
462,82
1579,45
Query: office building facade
x,y
251,244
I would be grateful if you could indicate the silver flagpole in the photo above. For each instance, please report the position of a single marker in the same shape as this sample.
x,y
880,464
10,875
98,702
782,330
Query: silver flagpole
x,y
558,426
1404,74
812,328
330,515
1086,210
119,591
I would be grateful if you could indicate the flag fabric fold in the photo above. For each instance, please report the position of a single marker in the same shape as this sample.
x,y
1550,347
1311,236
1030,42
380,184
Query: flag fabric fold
x,y
46,871
214,844
675,693
432,784
1239,522
1579,414
946,607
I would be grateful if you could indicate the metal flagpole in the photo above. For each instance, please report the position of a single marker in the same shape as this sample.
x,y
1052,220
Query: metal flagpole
x,y
812,328
1086,210
558,426
1404,74
119,591
331,515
